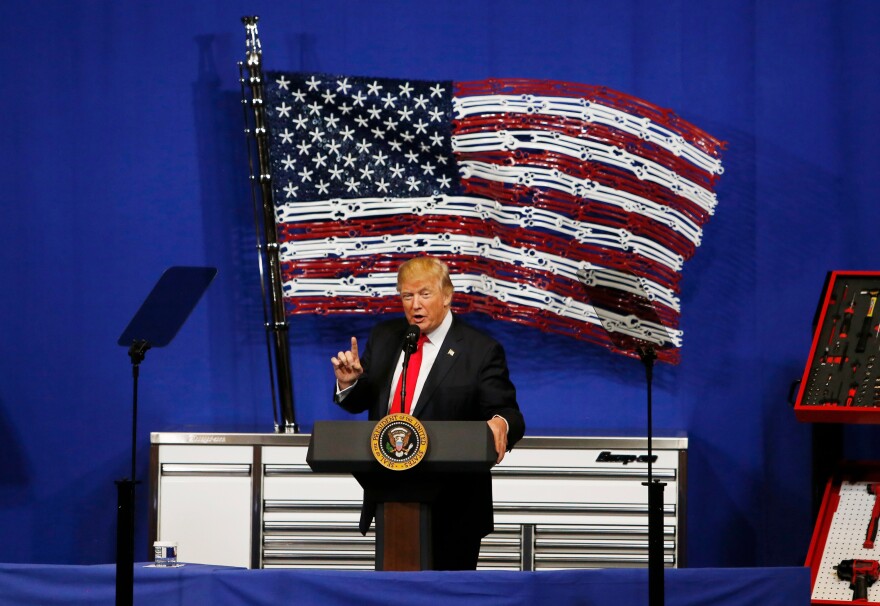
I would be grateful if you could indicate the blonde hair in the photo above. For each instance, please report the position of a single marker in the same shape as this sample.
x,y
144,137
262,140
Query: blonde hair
x,y
422,267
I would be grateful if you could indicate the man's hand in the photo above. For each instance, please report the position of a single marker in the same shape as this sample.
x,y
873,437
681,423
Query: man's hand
x,y
347,366
499,431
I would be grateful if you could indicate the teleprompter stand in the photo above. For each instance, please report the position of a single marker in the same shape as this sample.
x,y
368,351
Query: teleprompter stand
x,y
155,324
403,498
632,324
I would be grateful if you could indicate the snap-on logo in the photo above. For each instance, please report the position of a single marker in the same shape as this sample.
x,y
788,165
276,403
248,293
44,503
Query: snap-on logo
x,y
194,438
606,456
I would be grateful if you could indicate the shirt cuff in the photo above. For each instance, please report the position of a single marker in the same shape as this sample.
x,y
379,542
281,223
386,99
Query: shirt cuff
x,y
341,393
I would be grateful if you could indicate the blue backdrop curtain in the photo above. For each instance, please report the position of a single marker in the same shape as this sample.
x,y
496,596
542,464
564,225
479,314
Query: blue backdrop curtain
x,y
123,154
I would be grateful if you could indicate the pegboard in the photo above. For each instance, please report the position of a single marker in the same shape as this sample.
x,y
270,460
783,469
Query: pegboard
x,y
845,541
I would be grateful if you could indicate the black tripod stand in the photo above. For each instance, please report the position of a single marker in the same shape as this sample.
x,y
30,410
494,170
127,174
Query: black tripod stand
x,y
155,324
656,580
632,324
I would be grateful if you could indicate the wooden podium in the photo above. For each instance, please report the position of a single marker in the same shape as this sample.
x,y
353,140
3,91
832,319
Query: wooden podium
x,y
403,498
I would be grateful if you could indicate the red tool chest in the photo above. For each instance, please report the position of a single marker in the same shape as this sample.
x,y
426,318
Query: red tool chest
x,y
841,381
841,385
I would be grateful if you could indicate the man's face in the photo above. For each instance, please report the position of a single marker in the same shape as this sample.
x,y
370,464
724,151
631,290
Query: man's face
x,y
424,303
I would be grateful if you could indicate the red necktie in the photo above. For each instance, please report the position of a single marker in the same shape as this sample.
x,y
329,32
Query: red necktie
x,y
412,375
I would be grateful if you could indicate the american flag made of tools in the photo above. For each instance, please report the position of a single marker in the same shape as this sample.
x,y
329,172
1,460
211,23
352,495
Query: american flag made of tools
x,y
551,202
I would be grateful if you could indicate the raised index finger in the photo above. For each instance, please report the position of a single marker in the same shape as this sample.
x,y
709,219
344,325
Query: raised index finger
x,y
354,347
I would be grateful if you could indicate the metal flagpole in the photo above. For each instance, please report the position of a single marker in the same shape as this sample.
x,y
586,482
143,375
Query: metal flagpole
x,y
276,326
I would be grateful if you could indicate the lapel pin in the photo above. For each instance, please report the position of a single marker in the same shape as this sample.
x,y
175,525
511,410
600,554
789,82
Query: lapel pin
x,y
450,353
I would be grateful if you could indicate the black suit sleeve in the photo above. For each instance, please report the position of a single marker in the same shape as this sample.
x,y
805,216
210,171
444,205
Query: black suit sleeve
x,y
497,395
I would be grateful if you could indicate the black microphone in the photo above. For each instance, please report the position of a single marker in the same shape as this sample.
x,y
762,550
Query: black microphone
x,y
411,340
410,346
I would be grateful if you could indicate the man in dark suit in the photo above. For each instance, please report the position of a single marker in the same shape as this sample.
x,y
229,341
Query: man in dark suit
x,y
462,376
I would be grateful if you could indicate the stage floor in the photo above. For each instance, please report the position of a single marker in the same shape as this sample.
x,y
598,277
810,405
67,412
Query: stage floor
x,y
196,585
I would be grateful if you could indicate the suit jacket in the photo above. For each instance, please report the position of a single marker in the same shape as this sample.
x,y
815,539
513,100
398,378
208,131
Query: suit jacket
x,y
469,381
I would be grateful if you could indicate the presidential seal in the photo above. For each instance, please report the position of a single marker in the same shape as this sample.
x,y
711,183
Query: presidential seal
x,y
399,442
